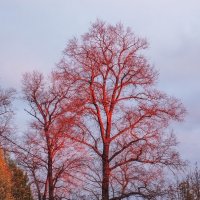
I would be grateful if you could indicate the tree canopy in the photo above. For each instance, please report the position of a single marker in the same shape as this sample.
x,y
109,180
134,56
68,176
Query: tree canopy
x,y
99,128
125,119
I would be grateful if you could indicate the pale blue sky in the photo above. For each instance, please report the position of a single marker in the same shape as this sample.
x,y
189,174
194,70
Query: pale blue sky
x,y
33,34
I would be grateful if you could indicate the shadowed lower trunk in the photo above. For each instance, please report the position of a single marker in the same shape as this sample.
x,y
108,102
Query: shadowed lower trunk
x,y
50,178
50,170
106,173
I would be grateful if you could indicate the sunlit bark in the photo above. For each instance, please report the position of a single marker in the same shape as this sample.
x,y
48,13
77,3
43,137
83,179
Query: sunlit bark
x,y
124,117
52,159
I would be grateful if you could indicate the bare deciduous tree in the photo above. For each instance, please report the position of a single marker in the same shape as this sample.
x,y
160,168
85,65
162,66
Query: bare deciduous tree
x,y
187,187
6,113
52,160
125,119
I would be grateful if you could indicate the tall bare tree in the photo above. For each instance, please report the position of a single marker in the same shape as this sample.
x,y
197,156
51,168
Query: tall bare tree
x,y
125,119
6,114
51,159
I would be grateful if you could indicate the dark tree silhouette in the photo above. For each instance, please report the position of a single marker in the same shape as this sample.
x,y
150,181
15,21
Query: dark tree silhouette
x,y
20,182
6,114
187,187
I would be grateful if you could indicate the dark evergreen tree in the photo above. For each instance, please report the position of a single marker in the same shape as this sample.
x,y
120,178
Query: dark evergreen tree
x,y
20,185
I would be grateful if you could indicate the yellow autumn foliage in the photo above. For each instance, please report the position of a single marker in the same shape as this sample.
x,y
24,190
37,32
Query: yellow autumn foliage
x,y
5,180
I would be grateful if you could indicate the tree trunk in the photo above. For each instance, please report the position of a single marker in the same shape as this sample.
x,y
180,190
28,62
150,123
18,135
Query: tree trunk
x,y
50,177
50,168
106,173
37,185
44,197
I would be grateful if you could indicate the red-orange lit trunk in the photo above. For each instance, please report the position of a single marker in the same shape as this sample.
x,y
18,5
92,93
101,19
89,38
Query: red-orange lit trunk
x,y
106,173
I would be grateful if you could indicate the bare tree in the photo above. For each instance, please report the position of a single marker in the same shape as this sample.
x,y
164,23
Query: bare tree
x,y
125,119
52,160
6,113
187,187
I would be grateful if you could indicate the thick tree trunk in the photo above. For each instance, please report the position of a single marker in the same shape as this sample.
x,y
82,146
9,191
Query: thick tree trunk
x,y
50,168
106,173
50,177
